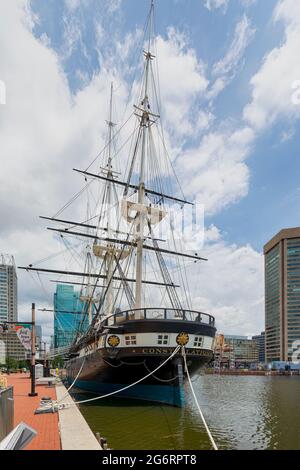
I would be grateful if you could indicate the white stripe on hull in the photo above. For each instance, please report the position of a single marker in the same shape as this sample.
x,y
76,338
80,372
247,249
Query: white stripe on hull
x,y
149,340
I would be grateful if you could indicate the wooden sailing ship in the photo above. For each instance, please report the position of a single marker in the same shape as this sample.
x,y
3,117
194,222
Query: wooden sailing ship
x,y
136,320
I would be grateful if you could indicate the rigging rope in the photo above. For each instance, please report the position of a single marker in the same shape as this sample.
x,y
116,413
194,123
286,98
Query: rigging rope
x,y
74,381
174,299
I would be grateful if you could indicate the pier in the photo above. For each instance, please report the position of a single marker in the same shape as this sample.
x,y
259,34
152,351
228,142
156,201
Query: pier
x,y
64,430
46,425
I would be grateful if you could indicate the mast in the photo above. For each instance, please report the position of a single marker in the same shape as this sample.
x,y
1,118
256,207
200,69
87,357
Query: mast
x,y
90,289
88,270
144,125
110,253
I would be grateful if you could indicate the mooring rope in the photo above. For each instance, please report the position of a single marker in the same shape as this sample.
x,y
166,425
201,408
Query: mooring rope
x,y
196,401
67,405
73,383
57,406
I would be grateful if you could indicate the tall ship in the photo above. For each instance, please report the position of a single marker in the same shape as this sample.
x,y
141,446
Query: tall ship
x,y
137,313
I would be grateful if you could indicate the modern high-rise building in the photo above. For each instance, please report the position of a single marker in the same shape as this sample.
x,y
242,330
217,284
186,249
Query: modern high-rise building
x,y
260,341
38,336
282,294
68,315
8,289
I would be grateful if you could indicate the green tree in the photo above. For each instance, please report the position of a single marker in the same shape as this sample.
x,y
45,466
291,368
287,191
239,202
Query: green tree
x,y
23,364
57,362
12,363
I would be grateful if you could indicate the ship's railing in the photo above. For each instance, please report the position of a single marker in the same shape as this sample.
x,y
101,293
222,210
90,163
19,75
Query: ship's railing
x,y
160,314
57,352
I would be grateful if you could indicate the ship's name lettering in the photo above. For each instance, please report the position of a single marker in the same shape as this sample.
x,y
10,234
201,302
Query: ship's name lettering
x,y
192,352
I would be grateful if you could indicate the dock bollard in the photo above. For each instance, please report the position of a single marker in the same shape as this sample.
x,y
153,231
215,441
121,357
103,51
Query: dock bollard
x,y
103,443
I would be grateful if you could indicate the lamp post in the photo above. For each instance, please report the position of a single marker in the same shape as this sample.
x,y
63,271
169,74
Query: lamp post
x,y
33,350
44,351
6,351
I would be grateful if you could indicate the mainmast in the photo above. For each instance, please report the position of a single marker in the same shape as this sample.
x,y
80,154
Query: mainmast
x,y
144,125
110,253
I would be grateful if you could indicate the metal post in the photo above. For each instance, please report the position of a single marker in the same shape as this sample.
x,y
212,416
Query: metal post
x,y
6,352
33,392
44,350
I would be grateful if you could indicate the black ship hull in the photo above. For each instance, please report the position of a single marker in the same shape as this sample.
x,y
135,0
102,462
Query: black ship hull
x,y
108,369
103,374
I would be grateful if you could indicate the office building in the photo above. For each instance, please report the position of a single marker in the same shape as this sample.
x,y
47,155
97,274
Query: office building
x,y
282,295
8,289
11,346
68,315
38,337
236,351
260,341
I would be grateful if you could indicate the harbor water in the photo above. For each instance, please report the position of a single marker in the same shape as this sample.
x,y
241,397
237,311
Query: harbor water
x,y
243,412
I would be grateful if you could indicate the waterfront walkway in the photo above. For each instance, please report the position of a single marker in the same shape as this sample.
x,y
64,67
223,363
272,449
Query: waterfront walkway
x,y
46,425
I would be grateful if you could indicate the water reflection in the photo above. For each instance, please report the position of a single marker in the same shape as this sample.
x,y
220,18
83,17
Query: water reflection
x,y
283,413
242,412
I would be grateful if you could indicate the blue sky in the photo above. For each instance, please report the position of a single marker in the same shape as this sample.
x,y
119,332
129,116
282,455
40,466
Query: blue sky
x,y
231,114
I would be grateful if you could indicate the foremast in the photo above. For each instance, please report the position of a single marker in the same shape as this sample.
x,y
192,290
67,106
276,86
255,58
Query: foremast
x,y
107,250
109,258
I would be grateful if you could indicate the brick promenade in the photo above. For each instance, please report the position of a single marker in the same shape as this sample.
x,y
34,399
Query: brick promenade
x,y
46,425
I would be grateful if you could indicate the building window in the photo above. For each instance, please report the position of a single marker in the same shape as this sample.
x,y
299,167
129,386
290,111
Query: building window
x,y
163,340
130,340
198,342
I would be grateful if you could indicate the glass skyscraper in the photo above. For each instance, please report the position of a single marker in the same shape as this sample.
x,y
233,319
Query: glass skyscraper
x,y
282,295
260,341
69,312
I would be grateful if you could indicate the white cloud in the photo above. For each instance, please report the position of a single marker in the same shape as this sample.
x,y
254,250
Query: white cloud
x,y
223,4
242,37
215,4
248,3
287,135
205,120
272,86
215,171
226,69
182,80
230,285
111,6
72,4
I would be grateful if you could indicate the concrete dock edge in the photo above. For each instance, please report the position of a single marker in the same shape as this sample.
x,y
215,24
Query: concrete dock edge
x,y
75,433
